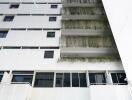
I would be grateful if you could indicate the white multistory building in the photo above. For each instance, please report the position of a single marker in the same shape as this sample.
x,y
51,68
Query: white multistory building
x,y
59,49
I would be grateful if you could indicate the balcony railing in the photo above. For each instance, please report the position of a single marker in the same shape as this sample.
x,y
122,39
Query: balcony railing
x,y
85,32
83,11
87,41
67,4
83,17
87,52
90,59
85,24
15,91
82,1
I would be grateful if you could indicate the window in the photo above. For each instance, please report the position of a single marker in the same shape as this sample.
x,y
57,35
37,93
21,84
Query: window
x,y
3,34
63,80
79,80
54,6
97,78
52,18
59,79
44,79
50,34
66,80
1,75
14,6
75,80
48,54
82,78
8,18
22,77
119,78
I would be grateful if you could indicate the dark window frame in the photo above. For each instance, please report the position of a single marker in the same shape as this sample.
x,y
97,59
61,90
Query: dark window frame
x,y
3,34
52,19
8,18
44,79
54,6
24,77
49,54
93,78
119,80
50,34
14,6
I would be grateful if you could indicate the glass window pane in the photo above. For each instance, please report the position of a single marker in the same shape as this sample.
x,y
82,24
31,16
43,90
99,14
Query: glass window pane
x,y
114,77
1,77
3,34
53,6
14,6
121,78
44,79
59,79
97,78
8,18
66,80
22,78
75,80
50,34
83,82
52,18
49,54
92,78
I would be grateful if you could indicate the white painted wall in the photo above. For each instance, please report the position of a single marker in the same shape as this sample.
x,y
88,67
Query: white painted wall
x,y
31,22
30,9
119,14
39,1
30,38
15,91
95,92
33,59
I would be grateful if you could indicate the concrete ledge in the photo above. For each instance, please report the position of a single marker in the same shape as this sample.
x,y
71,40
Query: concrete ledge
x,y
83,17
87,52
85,32
81,5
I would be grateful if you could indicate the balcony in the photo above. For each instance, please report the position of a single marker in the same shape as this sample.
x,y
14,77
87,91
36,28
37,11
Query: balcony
x,y
83,11
66,4
85,32
87,52
83,17
19,91
87,42
82,1
85,24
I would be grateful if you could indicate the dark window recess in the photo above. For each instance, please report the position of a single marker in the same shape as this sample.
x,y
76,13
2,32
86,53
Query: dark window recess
x,y
6,47
66,80
13,6
8,18
97,78
52,18
119,78
49,54
75,80
59,79
44,79
3,34
1,77
54,6
62,80
50,34
82,77
22,78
